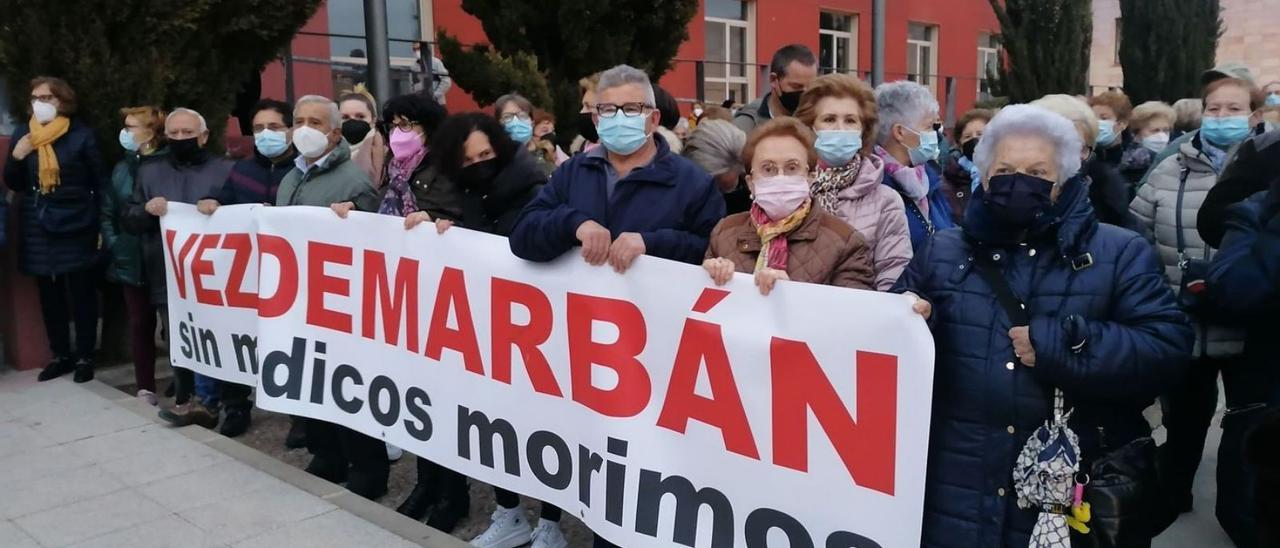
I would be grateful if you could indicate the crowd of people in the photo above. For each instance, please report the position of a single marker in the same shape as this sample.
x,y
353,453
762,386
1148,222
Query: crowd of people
x,y
1076,259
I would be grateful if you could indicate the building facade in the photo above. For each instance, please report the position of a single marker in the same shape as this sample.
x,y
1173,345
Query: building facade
x,y
1252,36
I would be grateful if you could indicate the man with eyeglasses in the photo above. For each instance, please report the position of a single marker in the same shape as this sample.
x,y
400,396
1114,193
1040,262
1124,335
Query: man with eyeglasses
x,y
630,197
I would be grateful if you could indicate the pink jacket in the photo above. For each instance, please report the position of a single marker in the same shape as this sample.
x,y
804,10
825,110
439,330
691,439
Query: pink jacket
x,y
876,211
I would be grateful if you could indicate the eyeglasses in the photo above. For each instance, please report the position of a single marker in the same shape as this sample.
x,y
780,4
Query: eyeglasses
x,y
508,117
631,110
405,125
49,98
790,169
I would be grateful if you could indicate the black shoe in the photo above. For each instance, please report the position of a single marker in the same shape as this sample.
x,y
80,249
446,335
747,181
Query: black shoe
x,y
297,437
446,514
84,371
56,368
236,423
327,470
421,499
369,486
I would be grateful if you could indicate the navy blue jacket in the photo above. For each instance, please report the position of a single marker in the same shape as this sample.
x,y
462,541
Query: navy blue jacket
x,y
83,178
1244,280
1091,286
940,217
255,180
671,203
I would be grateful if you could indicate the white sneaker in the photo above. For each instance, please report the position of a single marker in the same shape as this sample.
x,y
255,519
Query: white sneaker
x,y
394,453
149,397
548,535
509,529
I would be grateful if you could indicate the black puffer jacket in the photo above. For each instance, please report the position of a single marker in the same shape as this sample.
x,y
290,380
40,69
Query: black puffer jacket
x,y
1109,194
494,208
47,249
1256,168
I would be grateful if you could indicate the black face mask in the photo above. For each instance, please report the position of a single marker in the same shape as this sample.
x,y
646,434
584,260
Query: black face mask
x,y
790,100
968,147
587,127
550,137
1018,199
478,177
186,151
355,131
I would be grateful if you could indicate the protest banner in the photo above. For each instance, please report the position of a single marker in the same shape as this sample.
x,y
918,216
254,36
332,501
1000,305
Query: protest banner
x,y
659,409
211,267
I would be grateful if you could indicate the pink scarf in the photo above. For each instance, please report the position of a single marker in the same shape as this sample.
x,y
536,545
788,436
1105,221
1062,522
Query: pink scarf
x,y
913,181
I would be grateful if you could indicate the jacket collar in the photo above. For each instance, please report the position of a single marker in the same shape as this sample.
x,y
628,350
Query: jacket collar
x,y
288,159
659,170
1069,224
336,157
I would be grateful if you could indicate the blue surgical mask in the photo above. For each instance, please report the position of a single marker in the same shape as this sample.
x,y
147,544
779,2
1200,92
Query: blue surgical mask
x,y
928,149
623,134
1273,99
270,143
127,141
519,129
836,148
1106,132
1224,131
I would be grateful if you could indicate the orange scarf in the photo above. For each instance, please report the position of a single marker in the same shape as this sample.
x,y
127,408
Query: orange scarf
x,y
42,139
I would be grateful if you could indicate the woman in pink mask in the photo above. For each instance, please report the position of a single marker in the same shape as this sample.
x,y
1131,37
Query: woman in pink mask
x,y
413,184
783,236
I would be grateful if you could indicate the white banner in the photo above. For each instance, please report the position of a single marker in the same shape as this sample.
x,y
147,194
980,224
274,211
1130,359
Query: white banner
x,y
659,409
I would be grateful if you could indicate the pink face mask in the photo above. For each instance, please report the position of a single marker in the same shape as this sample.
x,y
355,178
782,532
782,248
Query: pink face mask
x,y
781,195
405,144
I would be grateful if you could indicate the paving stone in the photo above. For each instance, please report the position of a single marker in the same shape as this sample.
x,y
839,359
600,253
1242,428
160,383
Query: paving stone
x,y
36,493
165,532
335,529
89,518
213,484
12,536
255,512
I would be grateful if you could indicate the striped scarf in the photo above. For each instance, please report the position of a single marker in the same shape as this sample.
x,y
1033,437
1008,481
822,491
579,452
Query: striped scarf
x,y
773,250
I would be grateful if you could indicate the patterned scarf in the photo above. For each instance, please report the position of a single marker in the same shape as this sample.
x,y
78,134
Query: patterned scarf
x,y
773,250
399,200
832,181
42,138
913,181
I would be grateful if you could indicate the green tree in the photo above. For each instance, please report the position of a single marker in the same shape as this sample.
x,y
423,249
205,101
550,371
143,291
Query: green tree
x,y
1165,45
115,53
1045,47
568,40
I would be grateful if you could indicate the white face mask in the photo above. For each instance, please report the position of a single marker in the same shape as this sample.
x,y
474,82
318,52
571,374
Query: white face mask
x,y
311,144
43,112
1156,142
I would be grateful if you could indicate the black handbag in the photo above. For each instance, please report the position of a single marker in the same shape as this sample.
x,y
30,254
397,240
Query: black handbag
x,y
1122,483
67,210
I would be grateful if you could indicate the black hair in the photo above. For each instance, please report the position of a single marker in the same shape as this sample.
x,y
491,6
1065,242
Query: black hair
x,y
667,106
448,143
791,54
285,109
418,108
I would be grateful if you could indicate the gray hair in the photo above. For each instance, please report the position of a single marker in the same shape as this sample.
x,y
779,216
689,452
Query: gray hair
x,y
335,116
1075,110
716,146
1037,122
204,126
519,100
622,75
902,103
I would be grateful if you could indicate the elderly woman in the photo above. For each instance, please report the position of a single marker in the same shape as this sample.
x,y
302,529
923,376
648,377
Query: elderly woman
x,y
515,112
1167,206
783,236
842,110
55,167
716,146
1150,125
960,176
1113,109
1103,328
907,143
1108,191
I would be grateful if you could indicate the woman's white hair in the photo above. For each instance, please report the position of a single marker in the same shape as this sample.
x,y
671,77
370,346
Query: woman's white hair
x,y
902,103
1076,110
335,115
1023,121
622,75
204,126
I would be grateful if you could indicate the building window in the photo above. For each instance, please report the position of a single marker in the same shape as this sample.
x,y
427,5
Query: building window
x,y
988,63
922,53
1119,37
347,55
730,59
837,42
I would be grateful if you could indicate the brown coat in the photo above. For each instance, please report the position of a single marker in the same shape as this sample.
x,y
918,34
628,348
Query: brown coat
x,y
822,250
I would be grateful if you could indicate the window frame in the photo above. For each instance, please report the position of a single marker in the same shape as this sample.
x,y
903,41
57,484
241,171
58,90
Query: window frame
x,y
989,50
914,45
826,66
729,82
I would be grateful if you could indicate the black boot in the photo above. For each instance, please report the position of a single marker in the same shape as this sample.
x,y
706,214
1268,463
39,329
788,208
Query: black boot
x,y
171,390
297,437
84,371
368,485
421,499
327,470
454,504
236,422
58,367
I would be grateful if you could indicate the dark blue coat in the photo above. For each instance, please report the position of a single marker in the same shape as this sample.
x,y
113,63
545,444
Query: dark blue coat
x,y
255,180
940,217
83,177
985,405
671,202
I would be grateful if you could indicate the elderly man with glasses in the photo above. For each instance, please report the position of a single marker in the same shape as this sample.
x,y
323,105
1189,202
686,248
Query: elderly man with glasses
x,y
630,197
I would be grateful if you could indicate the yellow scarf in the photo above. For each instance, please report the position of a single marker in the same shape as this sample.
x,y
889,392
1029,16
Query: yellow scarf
x,y
42,139
773,251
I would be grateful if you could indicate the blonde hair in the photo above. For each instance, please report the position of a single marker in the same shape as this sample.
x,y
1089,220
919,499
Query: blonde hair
x,y
841,86
785,126
1075,110
1146,113
152,118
